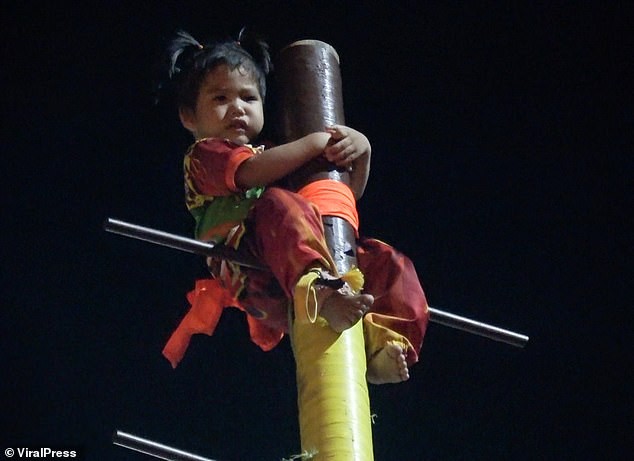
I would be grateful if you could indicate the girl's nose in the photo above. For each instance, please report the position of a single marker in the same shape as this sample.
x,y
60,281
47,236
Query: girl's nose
x,y
238,108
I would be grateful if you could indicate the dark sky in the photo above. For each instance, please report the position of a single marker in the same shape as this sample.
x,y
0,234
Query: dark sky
x,y
499,142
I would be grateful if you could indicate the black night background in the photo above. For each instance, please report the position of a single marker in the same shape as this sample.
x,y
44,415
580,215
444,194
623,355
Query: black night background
x,y
499,166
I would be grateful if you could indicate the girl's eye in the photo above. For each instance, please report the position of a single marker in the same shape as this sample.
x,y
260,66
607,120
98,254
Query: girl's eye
x,y
219,98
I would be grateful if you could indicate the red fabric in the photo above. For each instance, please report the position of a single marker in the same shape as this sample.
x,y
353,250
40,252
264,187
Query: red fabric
x,y
287,234
399,301
213,164
207,299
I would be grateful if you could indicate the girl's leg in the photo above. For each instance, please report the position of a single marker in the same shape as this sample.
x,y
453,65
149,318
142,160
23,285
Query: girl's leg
x,y
288,236
397,321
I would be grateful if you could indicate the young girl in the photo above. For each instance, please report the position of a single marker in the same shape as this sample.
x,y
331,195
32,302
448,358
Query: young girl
x,y
231,192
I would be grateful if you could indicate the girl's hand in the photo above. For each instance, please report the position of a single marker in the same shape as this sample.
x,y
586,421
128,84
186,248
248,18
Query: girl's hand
x,y
346,145
350,149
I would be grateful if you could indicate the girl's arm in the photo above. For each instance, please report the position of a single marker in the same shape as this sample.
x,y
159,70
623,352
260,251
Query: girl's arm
x,y
279,161
350,148
359,175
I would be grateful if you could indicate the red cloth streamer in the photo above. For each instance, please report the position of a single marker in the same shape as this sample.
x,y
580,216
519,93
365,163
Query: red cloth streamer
x,y
207,299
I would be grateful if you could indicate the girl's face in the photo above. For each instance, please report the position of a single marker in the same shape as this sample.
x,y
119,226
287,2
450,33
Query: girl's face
x,y
229,106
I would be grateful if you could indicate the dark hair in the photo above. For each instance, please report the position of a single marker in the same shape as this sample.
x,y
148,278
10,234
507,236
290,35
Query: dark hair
x,y
191,60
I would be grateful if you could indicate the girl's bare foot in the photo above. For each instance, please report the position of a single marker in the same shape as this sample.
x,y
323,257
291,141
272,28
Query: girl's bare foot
x,y
342,310
389,365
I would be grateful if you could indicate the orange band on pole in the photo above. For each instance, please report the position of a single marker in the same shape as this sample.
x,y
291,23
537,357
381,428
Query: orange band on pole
x,y
333,198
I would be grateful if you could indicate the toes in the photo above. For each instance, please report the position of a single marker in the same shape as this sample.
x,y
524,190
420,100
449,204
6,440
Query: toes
x,y
394,351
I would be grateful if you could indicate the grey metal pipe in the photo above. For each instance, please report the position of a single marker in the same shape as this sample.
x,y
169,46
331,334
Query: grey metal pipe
x,y
195,246
181,243
158,450
477,328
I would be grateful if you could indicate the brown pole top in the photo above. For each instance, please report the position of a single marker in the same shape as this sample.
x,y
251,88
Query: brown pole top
x,y
308,74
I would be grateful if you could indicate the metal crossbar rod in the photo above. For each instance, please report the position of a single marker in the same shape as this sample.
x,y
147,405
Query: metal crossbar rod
x,y
158,450
195,246
477,328
181,243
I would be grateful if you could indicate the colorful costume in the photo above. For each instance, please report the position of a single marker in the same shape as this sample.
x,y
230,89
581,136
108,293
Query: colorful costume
x,y
284,230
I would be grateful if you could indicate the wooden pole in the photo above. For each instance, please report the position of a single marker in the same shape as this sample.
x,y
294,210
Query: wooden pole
x,y
333,400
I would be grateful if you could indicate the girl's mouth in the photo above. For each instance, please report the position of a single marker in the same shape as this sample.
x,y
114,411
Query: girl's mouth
x,y
238,125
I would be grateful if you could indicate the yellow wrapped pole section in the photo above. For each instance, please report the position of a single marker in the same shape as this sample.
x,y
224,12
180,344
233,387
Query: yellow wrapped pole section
x,y
334,409
333,401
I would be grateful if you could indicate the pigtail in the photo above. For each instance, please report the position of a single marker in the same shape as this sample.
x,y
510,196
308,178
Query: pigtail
x,y
257,48
181,51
